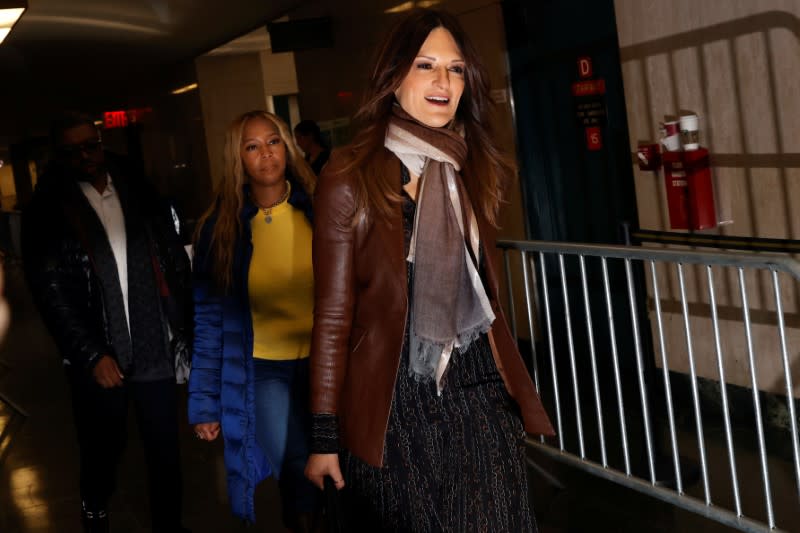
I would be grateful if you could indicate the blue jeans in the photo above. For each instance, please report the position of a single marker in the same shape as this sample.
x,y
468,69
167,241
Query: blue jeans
x,y
282,429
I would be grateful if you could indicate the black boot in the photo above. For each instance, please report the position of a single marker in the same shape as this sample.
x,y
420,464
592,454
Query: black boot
x,y
94,521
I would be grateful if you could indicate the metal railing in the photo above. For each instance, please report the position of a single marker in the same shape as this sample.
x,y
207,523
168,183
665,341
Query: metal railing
x,y
618,350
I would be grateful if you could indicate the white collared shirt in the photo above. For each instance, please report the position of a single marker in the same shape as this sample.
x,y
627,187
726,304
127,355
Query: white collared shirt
x,y
109,211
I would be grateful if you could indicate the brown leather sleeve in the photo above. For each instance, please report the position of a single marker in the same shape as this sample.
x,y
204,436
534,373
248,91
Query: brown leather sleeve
x,y
334,287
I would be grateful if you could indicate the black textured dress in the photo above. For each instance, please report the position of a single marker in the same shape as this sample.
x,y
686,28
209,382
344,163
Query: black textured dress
x,y
453,463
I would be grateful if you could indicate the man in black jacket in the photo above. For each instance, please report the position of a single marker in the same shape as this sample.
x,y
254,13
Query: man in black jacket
x,y
111,280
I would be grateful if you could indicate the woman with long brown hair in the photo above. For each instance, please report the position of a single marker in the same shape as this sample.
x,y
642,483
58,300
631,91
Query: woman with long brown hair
x,y
419,398
253,289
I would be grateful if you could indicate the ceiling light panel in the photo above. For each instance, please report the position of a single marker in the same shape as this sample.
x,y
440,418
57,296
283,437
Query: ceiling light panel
x,y
9,17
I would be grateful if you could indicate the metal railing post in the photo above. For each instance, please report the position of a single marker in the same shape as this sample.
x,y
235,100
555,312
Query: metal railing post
x,y
667,384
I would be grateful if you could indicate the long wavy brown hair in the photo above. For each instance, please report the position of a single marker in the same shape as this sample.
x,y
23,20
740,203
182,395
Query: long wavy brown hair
x,y
486,170
229,196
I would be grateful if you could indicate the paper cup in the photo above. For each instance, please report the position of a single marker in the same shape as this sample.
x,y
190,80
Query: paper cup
x,y
690,125
672,143
670,135
670,127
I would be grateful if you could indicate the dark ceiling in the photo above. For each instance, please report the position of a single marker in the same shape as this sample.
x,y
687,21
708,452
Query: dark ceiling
x,y
69,52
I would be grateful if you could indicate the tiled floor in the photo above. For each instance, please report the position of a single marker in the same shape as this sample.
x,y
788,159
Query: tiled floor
x,y
38,454
38,463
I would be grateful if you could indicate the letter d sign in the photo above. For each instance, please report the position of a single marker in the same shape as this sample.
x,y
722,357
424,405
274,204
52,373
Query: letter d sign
x,y
585,67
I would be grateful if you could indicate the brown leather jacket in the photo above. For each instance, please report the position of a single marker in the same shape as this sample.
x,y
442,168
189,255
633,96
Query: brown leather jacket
x,y
361,303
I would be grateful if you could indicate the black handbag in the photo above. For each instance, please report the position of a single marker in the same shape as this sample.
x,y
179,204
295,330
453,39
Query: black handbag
x,y
334,509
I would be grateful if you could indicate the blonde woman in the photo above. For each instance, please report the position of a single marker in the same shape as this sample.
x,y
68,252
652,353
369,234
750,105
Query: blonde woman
x,y
253,287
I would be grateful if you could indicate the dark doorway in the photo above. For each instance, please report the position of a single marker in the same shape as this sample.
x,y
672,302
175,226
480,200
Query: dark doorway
x,y
577,180
575,190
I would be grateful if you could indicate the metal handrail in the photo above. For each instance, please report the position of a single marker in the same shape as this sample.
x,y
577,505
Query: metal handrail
x,y
769,261
538,299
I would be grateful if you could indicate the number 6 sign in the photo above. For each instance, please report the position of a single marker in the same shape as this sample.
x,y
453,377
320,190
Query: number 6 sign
x,y
594,139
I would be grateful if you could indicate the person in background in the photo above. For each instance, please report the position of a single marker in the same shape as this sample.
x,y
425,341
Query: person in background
x,y
111,280
253,289
309,139
419,396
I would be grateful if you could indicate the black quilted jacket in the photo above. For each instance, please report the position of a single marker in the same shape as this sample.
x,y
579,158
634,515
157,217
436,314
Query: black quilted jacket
x,y
62,276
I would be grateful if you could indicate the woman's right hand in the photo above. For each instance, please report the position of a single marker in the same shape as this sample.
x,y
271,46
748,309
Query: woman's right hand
x,y
207,430
320,465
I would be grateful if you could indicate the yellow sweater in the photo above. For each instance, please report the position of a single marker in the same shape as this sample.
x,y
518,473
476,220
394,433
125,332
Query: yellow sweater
x,y
281,284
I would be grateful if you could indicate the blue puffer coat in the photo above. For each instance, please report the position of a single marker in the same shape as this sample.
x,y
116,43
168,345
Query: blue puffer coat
x,y
221,383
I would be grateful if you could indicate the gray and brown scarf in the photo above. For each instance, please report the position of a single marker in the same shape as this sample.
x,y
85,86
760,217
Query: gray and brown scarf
x,y
449,304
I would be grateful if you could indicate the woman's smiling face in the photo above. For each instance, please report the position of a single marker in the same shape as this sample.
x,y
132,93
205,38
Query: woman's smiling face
x,y
431,90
